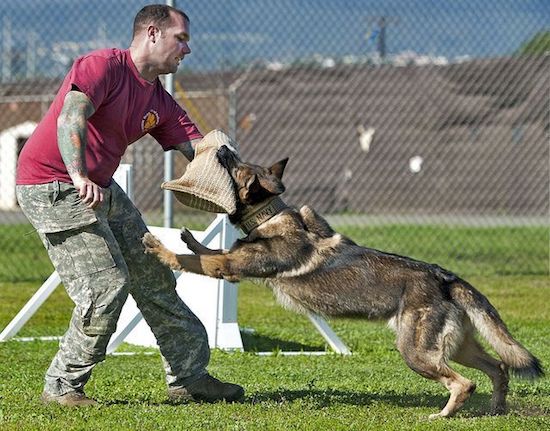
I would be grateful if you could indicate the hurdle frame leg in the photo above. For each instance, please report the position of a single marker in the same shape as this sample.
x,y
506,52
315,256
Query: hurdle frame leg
x,y
31,307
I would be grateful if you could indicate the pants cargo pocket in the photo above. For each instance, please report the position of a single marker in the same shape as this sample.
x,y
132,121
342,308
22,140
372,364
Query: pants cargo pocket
x,y
100,321
86,259
79,252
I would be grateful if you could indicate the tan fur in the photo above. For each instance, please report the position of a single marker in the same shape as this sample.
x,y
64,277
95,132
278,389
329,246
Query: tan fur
x,y
311,268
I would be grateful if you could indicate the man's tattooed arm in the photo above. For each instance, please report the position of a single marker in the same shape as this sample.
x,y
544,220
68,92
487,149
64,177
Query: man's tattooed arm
x,y
188,148
71,139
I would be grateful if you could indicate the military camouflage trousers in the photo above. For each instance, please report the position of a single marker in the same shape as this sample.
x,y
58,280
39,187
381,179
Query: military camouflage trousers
x,y
100,259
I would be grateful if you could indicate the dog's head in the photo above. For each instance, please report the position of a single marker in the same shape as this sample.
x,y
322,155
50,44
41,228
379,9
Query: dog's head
x,y
253,183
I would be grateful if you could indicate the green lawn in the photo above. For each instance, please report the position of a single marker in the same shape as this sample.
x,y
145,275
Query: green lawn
x,y
371,389
464,250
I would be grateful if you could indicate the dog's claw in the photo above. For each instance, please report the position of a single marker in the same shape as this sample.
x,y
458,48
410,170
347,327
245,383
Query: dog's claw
x,y
186,235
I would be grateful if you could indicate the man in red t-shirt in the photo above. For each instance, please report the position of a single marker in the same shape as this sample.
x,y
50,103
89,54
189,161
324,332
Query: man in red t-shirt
x,y
109,99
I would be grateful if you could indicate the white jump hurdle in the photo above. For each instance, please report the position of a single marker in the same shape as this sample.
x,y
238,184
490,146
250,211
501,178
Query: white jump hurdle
x,y
213,301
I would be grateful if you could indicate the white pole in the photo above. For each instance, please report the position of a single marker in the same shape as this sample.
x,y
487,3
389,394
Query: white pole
x,y
169,169
32,39
169,156
6,50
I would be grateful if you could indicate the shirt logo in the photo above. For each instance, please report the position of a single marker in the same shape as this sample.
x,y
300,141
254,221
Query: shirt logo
x,y
149,120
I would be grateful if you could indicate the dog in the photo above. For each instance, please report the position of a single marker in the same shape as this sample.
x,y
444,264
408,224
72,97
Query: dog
x,y
312,268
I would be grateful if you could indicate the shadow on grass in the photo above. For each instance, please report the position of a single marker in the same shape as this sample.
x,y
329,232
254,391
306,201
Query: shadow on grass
x,y
261,343
477,405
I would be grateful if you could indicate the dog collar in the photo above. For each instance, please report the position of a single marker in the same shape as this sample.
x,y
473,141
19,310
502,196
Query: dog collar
x,y
260,213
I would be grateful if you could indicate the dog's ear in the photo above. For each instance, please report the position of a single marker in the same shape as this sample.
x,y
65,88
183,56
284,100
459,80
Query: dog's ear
x,y
272,184
278,168
252,183
251,188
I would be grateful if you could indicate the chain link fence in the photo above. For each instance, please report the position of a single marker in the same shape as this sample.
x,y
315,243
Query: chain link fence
x,y
420,128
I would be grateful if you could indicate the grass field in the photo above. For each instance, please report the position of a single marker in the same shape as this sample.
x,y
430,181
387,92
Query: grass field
x,y
504,250
371,389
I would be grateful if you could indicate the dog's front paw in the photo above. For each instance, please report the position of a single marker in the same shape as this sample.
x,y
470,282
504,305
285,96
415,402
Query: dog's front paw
x,y
186,236
151,243
192,244
155,247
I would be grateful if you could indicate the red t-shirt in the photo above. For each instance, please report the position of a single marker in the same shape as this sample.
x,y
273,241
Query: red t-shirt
x,y
126,108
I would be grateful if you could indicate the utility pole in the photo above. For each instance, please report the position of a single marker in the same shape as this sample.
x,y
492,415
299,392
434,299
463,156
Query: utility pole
x,y
381,45
379,32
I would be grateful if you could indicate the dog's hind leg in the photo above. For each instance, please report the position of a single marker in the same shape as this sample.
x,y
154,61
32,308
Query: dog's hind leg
x,y
424,347
460,388
428,365
471,354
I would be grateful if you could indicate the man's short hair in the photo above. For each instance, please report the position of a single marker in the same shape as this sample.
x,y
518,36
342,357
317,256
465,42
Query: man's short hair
x,y
157,14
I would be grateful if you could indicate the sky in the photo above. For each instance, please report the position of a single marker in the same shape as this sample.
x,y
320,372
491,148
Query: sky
x,y
235,32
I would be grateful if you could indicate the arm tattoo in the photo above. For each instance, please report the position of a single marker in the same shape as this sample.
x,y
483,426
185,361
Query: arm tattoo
x,y
71,131
188,148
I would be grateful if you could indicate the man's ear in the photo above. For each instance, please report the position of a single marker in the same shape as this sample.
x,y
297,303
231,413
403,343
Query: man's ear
x,y
152,33
278,168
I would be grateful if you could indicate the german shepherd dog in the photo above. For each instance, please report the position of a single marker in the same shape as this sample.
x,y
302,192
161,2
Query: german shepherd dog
x,y
311,268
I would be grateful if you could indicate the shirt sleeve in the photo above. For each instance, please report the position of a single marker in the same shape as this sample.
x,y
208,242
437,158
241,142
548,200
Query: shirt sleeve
x,y
176,128
92,75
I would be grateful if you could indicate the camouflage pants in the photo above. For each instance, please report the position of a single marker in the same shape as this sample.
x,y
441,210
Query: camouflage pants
x,y
100,258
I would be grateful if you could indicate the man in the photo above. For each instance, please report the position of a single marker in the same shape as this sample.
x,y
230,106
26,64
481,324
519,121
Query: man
x,y
91,230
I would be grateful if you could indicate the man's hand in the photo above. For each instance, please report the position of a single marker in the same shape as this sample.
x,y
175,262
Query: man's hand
x,y
90,193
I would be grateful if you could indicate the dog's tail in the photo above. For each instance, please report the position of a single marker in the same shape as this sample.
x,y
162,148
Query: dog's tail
x,y
487,321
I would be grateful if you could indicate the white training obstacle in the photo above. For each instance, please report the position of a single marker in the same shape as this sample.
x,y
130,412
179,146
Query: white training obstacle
x,y
213,301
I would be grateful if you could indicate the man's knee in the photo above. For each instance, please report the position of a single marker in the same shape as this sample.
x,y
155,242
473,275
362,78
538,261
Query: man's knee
x,y
101,297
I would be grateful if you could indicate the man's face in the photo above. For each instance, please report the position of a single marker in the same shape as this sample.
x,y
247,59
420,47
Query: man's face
x,y
172,44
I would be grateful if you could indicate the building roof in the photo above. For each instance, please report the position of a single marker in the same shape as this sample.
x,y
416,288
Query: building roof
x,y
478,126
479,129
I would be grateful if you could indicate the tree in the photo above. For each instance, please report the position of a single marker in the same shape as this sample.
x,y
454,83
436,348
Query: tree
x,y
538,45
